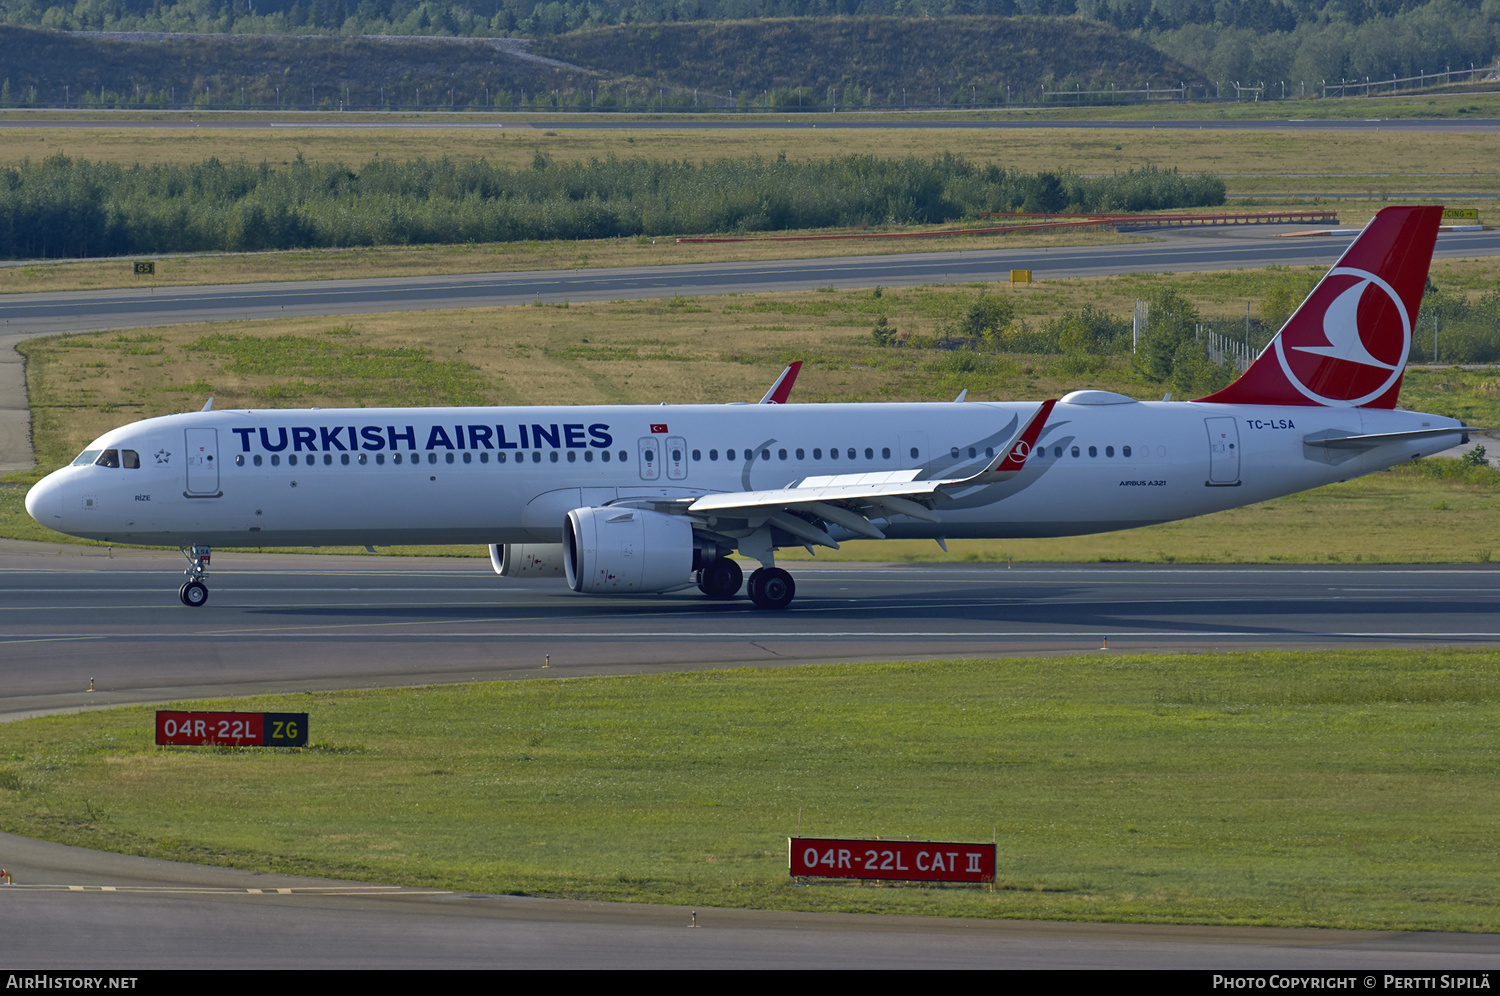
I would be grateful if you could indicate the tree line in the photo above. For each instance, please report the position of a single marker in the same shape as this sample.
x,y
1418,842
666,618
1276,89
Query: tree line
x,y
1302,41
63,207
1174,345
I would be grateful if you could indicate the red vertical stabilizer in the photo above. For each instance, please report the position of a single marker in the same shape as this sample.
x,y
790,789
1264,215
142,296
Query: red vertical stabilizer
x,y
1346,346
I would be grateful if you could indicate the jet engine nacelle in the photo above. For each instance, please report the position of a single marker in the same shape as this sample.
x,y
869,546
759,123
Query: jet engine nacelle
x,y
527,560
627,550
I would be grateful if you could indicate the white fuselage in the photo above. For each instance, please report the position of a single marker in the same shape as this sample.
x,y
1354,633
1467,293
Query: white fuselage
x,y
510,475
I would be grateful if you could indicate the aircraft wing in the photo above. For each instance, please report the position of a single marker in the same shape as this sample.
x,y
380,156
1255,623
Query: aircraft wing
x,y
852,500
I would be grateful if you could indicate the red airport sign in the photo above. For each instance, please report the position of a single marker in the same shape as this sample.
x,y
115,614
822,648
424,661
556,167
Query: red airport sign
x,y
907,860
232,729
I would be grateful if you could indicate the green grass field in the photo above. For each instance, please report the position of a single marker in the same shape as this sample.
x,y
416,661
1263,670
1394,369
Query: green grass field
x,y
1350,789
1285,162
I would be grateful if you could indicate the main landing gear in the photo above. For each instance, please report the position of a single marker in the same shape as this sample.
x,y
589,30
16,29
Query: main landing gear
x,y
194,591
721,579
769,588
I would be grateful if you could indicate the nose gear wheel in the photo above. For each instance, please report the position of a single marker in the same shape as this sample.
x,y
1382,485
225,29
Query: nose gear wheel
x,y
194,591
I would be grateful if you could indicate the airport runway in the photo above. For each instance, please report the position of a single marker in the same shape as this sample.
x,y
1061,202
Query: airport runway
x,y
69,615
1179,250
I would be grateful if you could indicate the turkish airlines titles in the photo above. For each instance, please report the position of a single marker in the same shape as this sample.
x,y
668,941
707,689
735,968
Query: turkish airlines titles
x,y
347,438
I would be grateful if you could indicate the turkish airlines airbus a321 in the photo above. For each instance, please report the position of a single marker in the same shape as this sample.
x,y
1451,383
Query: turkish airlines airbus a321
x,y
624,500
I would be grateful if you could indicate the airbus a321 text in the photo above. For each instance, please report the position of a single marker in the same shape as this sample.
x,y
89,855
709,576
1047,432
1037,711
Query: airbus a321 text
x,y
624,500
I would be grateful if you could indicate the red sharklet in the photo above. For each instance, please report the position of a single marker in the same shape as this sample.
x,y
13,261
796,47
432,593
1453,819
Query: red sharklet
x,y
1021,448
782,389
1346,346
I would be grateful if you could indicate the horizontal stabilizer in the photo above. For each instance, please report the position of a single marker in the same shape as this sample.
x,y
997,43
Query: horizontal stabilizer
x,y
1370,440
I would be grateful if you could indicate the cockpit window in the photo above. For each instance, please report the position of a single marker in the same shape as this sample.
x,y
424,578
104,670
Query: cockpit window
x,y
109,458
85,458
130,460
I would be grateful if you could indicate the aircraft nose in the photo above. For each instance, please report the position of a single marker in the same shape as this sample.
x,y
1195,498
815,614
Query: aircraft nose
x,y
44,502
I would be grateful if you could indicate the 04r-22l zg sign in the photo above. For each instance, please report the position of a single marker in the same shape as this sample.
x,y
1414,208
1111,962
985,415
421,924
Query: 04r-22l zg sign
x,y
908,860
232,729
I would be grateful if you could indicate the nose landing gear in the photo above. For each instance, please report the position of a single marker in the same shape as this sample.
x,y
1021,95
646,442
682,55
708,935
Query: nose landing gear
x,y
194,591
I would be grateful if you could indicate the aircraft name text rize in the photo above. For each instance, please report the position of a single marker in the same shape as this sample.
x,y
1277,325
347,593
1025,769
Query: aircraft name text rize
x,y
374,438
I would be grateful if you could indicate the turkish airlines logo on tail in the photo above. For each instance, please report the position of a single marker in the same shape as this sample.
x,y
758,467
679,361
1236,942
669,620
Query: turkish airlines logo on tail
x,y
1357,352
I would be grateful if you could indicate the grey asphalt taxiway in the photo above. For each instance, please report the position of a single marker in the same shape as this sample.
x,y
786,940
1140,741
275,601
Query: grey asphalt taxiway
x,y
70,616
87,910
1176,250
75,616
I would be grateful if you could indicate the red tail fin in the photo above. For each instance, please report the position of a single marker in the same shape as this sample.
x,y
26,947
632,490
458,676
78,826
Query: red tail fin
x,y
1346,346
